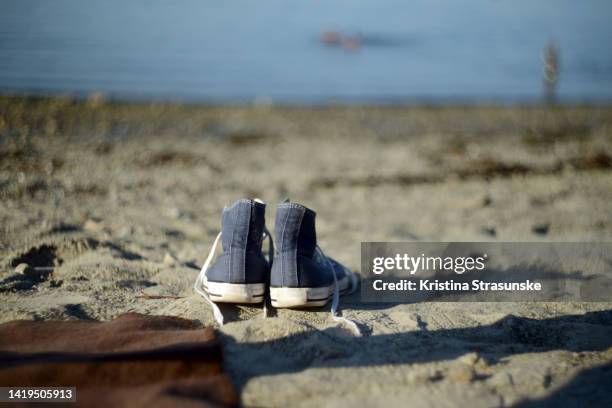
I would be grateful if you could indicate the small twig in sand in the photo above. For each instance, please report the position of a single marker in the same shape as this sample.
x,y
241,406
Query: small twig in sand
x,y
146,296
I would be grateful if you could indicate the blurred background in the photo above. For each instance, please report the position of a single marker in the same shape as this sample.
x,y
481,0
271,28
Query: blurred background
x,y
310,52
127,126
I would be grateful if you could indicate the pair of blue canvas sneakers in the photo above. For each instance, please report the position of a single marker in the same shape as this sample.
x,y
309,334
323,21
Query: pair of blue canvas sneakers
x,y
297,273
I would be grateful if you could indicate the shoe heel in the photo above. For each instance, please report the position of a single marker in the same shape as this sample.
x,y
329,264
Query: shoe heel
x,y
300,297
235,292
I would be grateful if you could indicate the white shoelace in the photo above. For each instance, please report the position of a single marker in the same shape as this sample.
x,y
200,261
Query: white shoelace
x,y
199,283
336,298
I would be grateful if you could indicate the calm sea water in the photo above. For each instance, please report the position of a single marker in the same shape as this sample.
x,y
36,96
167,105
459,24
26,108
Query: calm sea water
x,y
245,50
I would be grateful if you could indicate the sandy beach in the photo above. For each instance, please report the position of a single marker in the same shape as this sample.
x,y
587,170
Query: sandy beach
x,y
113,208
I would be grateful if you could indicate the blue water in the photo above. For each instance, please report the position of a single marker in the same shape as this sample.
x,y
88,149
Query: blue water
x,y
239,51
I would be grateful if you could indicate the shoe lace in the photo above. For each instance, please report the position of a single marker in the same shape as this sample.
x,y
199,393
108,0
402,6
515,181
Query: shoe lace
x,y
199,283
336,298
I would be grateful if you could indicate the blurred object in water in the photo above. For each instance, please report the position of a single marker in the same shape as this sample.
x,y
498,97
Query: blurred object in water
x,y
550,60
331,38
349,42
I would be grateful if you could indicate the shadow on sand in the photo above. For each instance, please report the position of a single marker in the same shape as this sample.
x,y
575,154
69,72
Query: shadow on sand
x,y
509,336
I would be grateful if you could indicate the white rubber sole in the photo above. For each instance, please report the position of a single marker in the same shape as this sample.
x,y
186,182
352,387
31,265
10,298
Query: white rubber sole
x,y
235,292
306,297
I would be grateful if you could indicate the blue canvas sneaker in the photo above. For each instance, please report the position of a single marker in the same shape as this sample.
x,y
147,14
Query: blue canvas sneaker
x,y
302,275
240,272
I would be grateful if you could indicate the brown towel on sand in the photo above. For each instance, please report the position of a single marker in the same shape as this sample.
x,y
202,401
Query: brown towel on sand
x,y
134,360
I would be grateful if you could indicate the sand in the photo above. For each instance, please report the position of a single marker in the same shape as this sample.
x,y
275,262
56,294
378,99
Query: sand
x,y
114,208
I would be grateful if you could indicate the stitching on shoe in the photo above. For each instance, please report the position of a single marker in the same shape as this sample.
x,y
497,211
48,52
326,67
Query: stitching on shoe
x,y
282,241
296,205
229,268
297,275
246,200
243,269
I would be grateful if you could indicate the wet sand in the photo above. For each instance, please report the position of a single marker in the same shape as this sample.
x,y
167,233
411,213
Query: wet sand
x,y
113,207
